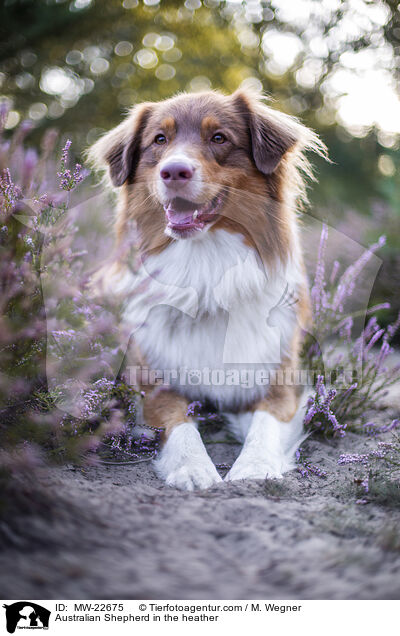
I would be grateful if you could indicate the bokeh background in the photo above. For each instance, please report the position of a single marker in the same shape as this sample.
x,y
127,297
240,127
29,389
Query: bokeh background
x,y
77,65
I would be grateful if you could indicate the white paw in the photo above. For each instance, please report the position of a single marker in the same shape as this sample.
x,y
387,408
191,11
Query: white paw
x,y
193,475
253,468
264,453
184,463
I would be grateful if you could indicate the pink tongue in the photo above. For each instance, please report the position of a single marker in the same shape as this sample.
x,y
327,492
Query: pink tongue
x,y
180,218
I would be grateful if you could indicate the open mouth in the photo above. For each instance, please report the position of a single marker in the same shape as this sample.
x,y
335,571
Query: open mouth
x,y
185,217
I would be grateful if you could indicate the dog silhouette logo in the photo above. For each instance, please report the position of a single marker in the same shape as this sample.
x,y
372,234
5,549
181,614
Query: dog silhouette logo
x,y
26,615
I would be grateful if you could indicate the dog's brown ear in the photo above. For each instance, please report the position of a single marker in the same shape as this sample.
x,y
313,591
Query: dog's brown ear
x,y
119,149
272,133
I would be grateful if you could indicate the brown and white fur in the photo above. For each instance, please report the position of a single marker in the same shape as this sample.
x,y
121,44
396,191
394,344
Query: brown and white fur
x,y
211,184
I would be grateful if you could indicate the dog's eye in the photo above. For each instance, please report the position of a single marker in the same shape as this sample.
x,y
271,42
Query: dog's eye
x,y
218,138
160,140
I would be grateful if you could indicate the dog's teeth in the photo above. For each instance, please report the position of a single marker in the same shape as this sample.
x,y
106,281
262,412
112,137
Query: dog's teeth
x,y
195,214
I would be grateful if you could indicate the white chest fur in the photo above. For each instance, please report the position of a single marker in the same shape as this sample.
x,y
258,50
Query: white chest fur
x,y
203,313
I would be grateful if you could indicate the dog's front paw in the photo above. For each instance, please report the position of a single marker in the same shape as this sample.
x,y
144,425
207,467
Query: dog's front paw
x,y
265,452
251,466
193,475
184,463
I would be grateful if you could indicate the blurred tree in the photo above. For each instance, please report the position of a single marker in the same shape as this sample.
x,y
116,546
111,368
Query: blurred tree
x,y
100,56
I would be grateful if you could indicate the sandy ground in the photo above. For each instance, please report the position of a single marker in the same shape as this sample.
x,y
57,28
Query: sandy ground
x,y
119,533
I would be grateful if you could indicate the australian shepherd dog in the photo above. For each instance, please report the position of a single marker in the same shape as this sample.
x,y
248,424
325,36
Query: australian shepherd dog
x,y
210,185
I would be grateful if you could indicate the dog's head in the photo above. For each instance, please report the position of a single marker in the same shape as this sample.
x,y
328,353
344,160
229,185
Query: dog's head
x,y
189,154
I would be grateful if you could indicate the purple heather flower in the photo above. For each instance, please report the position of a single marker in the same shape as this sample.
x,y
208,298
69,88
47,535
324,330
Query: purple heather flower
x,y
65,151
382,450
306,469
378,307
352,458
392,329
349,390
320,404
68,180
28,168
365,484
345,328
318,290
11,193
191,410
348,279
371,327
334,273
383,354
49,141
374,340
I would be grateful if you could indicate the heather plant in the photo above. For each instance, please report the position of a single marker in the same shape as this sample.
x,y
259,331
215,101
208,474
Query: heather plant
x,y
22,325
342,402
306,468
376,474
62,397
38,263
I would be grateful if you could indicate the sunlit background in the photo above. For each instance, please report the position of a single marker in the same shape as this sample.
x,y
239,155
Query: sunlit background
x,y
78,65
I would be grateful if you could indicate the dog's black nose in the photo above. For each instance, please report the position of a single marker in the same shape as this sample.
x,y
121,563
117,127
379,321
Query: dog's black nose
x,y
176,171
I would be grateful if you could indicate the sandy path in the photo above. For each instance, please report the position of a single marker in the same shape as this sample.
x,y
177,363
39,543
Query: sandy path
x,y
119,533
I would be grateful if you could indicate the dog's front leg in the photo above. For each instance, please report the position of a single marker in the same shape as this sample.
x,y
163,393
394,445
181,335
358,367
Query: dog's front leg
x,y
262,453
276,430
183,461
